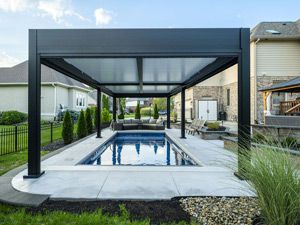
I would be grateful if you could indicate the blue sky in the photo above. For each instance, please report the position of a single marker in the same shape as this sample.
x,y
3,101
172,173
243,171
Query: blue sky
x,y
17,16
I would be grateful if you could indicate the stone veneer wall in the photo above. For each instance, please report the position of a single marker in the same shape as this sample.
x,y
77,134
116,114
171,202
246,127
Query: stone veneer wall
x,y
265,81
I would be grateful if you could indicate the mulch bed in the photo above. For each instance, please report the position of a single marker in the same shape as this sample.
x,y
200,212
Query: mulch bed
x,y
157,211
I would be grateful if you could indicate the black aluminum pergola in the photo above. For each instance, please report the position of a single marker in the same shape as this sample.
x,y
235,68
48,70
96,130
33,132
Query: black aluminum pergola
x,y
137,63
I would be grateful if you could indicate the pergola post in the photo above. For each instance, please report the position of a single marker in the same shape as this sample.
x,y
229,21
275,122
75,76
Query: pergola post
x,y
244,142
183,112
99,113
34,108
168,112
114,108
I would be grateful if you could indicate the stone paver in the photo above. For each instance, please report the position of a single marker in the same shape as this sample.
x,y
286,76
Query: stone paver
x,y
64,179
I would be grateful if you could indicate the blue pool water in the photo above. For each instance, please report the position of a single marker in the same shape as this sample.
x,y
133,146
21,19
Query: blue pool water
x,y
139,149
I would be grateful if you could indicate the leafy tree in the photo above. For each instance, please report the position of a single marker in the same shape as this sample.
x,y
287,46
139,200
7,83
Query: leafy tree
x,y
89,121
161,103
137,111
67,129
81,125
155,113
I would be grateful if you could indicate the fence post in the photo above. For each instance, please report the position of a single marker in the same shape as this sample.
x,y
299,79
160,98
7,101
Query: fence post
x,y
16,138
51,131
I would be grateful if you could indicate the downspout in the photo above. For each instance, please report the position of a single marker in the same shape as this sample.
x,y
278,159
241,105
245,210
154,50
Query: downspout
x,y
255,79
55,100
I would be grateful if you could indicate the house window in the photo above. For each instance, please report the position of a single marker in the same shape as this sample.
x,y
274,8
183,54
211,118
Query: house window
x,y
228,97
80,100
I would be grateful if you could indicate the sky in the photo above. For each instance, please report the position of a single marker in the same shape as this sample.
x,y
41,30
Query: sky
x,y
17,16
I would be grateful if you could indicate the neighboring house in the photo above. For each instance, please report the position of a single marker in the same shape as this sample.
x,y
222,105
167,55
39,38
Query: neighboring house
x,y
57,91
131,103
274,58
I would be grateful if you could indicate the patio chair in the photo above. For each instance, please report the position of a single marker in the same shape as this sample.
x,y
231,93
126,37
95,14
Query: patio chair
x,y
197,128
189,128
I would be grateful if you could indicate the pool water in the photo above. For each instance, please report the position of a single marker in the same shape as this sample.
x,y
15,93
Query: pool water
x,y
139,149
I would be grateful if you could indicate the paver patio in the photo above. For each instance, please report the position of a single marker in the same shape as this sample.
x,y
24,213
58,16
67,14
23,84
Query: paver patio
x,y
63,179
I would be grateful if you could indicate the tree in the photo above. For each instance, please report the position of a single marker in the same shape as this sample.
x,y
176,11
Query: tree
x,y
121,115
161,103
67,129
81,125
137,111
155,113
89,121
95,116
105,116
105,102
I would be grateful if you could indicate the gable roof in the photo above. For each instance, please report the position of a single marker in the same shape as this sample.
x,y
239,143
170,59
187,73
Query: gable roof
x,y
18,74
276,30
292,85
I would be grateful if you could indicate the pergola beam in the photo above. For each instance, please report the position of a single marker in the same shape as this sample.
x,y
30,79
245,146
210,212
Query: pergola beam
x,y
139,63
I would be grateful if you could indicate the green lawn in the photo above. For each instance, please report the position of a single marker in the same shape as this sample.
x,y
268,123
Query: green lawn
x,y
22,138
17,216
13,160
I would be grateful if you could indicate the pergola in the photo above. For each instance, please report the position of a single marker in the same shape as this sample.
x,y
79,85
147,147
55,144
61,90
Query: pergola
x,y
137,63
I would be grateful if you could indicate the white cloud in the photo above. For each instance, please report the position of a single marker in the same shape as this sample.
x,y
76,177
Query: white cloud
x,y
16,5
6,60
103,17
58,10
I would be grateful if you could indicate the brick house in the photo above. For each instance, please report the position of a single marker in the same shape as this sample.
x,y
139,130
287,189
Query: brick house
x,y
274,58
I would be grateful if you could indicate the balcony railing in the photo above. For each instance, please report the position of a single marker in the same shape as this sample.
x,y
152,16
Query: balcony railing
x,y
290,107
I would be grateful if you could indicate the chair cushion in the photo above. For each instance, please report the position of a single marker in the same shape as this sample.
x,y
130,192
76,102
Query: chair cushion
x,y
145,120
136,121
127,121
152,121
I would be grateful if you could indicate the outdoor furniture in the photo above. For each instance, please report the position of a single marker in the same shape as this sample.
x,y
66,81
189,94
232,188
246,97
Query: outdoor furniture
x,y
189,127
197,127
136,124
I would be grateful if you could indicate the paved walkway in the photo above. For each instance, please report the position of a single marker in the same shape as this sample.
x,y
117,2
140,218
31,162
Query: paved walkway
x,y
63,179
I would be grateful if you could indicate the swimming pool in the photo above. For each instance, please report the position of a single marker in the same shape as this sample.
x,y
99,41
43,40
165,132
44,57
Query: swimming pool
x,y
140,149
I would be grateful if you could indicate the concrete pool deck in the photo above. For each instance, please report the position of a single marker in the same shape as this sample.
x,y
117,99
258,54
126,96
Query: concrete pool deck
x,y
64,179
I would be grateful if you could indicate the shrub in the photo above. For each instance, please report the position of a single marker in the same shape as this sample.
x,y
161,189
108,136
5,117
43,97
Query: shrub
x,y
95,116
105,102
89,121
137,111
67,129
146,111
213,126
121,115
12,117
289,142
81,125
105,116
155,112
277,184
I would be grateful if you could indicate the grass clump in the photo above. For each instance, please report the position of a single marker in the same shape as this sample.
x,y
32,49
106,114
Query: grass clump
x,y
81,125
89,121
67,129
213,126
276,181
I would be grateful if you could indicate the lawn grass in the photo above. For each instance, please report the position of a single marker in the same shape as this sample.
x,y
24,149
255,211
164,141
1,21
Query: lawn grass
x,y
13,160
18,216
9,146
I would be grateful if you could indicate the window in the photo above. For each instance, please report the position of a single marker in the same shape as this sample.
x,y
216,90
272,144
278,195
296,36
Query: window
x,y
80,100
228,97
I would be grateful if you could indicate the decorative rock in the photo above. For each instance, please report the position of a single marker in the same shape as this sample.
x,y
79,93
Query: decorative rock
x,y
221,210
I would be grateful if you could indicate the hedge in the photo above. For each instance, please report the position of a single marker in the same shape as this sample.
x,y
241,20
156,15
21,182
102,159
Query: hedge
x,y
12,117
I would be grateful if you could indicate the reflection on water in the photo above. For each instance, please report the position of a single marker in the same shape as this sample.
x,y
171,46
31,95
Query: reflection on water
x,y
139,150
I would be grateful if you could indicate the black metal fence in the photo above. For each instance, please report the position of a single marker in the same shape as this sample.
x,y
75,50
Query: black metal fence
x,y
14,138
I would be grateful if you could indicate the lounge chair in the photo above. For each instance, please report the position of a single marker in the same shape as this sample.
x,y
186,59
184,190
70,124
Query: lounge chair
x,y
189,128
197,128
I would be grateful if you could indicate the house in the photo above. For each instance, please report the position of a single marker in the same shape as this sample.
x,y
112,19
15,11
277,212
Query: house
x,y
58,91
274,58
131,103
